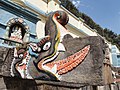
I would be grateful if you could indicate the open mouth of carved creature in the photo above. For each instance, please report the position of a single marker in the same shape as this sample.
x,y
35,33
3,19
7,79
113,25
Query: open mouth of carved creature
x,y
63,66
22,65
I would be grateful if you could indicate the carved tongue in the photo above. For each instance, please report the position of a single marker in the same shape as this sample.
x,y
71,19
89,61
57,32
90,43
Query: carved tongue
x,y
69,63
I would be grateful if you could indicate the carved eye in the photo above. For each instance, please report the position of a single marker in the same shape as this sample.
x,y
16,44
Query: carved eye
x,y
20,56
47,46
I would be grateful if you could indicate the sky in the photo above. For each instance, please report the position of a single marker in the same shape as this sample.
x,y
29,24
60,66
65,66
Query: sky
x,y
106,13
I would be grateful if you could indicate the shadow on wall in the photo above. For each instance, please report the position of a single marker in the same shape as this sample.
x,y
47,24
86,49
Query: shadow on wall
x,y
19,84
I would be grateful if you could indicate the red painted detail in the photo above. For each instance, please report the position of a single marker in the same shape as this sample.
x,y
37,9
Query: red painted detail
x,y
16,38
22,67
43,40
69,63
25,54
117,80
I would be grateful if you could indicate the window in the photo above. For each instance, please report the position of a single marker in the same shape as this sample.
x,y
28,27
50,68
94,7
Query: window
x,y
118,56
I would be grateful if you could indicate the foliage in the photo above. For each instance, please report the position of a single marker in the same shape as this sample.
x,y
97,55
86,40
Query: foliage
x,y
108,34
69,6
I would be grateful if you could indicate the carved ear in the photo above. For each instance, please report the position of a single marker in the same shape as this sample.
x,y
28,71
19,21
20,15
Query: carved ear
x,y
61,17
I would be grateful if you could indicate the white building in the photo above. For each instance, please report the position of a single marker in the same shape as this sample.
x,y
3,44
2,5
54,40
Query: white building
x,y
43,7
115,56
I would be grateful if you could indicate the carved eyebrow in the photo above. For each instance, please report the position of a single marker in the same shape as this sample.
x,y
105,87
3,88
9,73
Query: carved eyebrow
x,y
42,41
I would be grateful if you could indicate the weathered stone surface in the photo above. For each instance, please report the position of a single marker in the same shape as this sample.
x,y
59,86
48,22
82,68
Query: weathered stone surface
x,y
8,83
90,71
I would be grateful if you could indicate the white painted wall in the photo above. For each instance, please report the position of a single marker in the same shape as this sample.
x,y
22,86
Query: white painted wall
x,y
42,7
38,4
40,29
